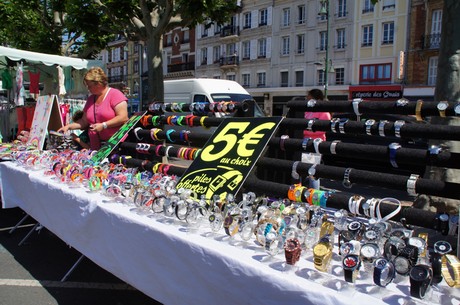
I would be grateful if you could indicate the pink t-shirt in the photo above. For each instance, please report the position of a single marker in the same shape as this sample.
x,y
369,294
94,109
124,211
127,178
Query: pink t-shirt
x,y
319,116
102,113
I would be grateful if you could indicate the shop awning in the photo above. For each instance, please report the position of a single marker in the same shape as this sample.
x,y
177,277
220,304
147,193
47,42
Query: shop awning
x,y
46,59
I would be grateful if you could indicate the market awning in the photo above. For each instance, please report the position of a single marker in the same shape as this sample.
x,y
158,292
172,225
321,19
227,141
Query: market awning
x,y
46,59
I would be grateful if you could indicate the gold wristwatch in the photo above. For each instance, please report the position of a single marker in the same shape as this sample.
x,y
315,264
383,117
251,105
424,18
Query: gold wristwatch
x,y
322,253
451,270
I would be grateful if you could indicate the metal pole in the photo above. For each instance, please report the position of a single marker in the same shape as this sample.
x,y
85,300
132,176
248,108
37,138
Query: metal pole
x,y
326,64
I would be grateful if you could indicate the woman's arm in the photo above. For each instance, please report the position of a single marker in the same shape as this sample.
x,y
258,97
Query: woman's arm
x,y
81,124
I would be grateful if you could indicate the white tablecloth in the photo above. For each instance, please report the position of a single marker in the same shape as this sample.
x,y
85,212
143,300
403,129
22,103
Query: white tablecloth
x,y
175,266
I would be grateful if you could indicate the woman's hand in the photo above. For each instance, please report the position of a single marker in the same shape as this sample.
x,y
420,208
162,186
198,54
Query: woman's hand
x,y
97,127
63,129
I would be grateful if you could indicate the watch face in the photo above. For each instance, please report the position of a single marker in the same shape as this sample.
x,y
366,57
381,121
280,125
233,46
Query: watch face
x,y
442,247
371,235
457,109
347,248
354,226
311,171
346,236
417,242
381,263
442,106
350,261
402,265
370,122
395,146
402,102
370,250
320,249
311,103
419,273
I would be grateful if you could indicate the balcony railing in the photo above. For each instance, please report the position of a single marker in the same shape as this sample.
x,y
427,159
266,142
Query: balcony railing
x,y
117,79
432,41
232,60
186,66
230,30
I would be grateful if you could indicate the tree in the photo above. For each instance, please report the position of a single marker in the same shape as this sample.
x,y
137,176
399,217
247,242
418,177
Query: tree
x,y
147,21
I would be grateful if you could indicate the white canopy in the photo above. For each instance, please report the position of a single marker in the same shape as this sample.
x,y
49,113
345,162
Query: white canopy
x,y
47,59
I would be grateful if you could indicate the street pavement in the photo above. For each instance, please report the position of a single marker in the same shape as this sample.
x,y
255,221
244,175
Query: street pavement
x,y
31,273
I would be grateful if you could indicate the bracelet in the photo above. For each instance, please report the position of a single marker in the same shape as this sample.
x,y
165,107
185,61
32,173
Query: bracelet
x,y
316,143
451,263
342,125
305,143
168,135
282,139
392,214
294,173
418,110
346,178
310,125
356,102
136,130
411,183
333,147
382,127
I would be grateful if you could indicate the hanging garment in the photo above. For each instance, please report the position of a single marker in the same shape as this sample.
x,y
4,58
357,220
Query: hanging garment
x,y
34,79
68,78
19,94
7,80
61,80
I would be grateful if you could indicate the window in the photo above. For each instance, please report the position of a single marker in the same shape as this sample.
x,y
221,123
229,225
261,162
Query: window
x,y
301,14
368,7
186,36
263,17
262,53
339,76
375,74
368,33
434,39
285,45
300,44
342,8
284,79
246,49
231,77
247,20
246,79
216,54
286,17
299,78
388,32
321,78
204,56
231,49
322,41
261,79
217,29
432,70
340,38
389,4
204,33
169,40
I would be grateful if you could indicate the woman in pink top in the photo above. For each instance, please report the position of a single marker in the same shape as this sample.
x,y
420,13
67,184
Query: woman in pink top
x,y
316,94
106,109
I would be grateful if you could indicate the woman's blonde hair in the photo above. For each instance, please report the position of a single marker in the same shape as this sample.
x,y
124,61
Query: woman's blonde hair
x,y
96,74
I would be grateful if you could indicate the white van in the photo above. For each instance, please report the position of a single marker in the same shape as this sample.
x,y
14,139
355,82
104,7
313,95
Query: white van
x,y
209,90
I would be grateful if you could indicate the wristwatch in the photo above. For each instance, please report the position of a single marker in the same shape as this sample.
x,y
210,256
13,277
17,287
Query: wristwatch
x,y
418,110
392,247
418,242
346,178
402,265
316,143
342,123
369,252
393,148
411,184
420,280
356,102
305,143
384,272
351,264
322,253
292,251
310,124
442,247
333,123
451,270
351,247
332,148
402,102
312,171
369,123
311,103
345,236
382,127
457,109
443,223
356,228
442,106
371,235
272,243
398,124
